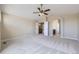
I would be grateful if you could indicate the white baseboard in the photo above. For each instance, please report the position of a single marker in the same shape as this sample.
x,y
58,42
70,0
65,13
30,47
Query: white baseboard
x,y
69,38
13,37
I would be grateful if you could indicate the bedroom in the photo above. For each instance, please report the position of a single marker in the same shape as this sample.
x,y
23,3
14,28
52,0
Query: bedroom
x,y
19,29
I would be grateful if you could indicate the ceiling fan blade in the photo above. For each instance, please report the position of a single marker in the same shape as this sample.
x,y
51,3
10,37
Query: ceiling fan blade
x,y
46,10
45,13
39,9
38,15
35,12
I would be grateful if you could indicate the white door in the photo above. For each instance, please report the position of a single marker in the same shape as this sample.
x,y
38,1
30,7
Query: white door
x,y
46,28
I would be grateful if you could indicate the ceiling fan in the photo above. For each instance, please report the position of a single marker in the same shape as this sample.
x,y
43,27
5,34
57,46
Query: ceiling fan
x,y
41,11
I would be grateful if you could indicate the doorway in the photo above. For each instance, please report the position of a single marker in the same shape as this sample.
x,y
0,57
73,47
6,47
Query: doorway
x,y
41,26
56,27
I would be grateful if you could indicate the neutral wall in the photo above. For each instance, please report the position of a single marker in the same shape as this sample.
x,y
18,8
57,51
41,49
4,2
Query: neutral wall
x,y
51,22
0,30
70,26
16,26
55,25
78,28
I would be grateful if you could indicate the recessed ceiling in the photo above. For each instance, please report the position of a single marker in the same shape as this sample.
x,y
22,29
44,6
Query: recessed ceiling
x,y
26,10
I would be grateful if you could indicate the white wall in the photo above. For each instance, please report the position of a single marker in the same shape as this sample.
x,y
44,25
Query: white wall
x,y
0,30
46,28
70,27
61,27
37,28
52,21
78,28
55,25
15,26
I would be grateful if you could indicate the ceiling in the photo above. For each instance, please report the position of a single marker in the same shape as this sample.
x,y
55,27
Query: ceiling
x,y
26,10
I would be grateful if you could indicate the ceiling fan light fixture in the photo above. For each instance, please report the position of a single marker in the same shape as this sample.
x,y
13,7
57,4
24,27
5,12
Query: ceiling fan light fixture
x,y
41,14
41,11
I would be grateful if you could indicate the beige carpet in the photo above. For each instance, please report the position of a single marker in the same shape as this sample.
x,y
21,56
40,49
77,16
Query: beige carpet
x,y
39,44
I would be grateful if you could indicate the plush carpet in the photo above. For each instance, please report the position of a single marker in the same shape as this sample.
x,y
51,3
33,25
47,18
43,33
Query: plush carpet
x,y
39,44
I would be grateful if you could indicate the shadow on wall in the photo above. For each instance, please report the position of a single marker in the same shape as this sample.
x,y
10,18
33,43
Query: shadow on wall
x,y
4,30
13,26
